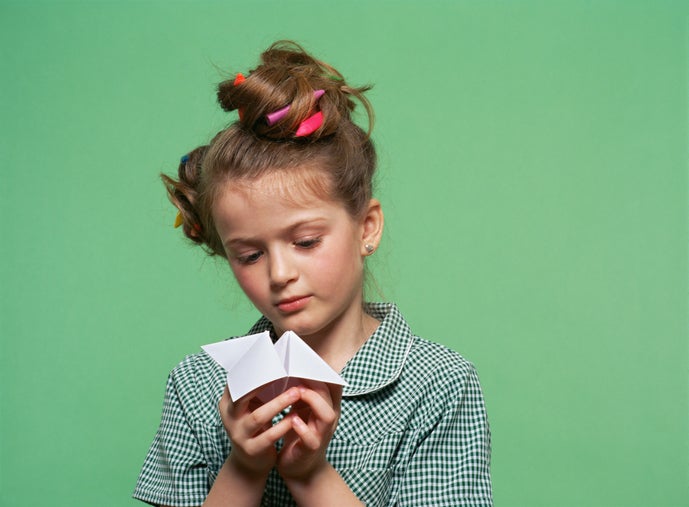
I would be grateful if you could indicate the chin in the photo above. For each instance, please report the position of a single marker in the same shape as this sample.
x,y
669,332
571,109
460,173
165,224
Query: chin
x,y
295,323
301,330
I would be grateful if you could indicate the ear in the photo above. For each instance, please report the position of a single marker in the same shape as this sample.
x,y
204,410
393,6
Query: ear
x,y
371,227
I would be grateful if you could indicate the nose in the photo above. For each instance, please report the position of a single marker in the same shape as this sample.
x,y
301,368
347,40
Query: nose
x,y
282,268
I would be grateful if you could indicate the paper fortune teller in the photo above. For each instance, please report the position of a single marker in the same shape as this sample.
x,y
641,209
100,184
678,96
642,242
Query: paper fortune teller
x,y
253,361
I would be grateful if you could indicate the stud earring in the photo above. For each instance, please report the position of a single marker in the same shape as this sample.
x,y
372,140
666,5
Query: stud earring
x,y
369,248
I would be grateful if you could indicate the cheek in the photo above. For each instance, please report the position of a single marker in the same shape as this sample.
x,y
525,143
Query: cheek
x,y
248,282
339,265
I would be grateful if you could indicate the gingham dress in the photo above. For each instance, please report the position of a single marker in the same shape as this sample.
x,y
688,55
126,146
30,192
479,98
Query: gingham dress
x,y
412,432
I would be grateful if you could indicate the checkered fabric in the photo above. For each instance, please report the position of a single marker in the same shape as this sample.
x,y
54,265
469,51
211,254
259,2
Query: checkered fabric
x,y
412,432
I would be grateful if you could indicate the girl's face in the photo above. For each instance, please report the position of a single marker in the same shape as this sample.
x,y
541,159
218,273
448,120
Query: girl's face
x,y
299,257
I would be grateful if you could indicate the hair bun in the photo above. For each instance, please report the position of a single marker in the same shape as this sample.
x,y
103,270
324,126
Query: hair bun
x,y
288,77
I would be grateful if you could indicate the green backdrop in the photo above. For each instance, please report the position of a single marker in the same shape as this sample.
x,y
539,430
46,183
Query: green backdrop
x,y
534,177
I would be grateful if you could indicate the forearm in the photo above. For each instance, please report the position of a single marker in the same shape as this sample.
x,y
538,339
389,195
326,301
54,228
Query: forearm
x,y
235,487
326,487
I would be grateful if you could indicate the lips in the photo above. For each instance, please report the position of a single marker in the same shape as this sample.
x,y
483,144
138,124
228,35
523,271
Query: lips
x,y
292,304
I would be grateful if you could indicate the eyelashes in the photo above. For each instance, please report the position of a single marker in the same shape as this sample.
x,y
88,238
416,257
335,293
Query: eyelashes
x,y
251,258
254,256
308,243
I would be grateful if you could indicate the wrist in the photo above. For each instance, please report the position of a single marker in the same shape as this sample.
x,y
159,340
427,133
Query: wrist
x,y
324,486
236,486
306,480
248,474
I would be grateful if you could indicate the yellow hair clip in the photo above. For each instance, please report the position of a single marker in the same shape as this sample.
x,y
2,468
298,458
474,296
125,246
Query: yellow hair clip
x,y
178,219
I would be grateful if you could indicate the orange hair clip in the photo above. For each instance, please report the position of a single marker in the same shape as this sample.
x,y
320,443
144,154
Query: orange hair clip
x,y
239,79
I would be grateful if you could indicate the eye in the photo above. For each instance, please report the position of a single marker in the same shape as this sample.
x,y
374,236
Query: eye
x,y
249,258
308,243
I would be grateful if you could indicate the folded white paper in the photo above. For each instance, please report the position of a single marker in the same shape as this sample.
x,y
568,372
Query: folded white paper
x,y
253,361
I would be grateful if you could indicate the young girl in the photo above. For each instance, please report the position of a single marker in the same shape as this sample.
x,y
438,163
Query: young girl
x,y
284,194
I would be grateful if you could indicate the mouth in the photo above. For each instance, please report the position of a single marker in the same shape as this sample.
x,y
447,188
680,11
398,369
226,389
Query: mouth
x,y
292,304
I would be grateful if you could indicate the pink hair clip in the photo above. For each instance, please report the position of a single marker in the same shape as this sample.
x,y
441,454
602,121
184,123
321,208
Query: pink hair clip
x,y
310,125
276,116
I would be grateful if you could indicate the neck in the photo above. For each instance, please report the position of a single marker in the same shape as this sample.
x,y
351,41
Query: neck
x,y
343,338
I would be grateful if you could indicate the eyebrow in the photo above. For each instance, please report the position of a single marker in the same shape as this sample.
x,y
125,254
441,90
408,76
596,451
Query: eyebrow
x,y
319,221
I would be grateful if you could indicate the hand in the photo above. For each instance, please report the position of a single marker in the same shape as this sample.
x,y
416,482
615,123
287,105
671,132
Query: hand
x,y
248,423
314,419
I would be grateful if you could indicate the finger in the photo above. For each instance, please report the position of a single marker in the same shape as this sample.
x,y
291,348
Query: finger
x,y
332,393
268,437
320,387
320,407
241,414
265,413
335,394
228,408
234,408
309,438
224,403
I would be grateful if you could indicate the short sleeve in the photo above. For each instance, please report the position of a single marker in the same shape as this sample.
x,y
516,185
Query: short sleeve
x,y
174,472
451,465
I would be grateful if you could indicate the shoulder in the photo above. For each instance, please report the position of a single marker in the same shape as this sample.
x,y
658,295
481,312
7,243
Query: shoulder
x,y
437,356
395,355
197,382
437,369
194,368
447,389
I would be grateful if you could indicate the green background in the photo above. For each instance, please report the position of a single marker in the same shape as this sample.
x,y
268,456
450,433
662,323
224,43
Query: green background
x,y
533,170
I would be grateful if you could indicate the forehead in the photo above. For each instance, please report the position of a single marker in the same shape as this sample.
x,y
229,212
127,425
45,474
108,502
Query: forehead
x,y
274,201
